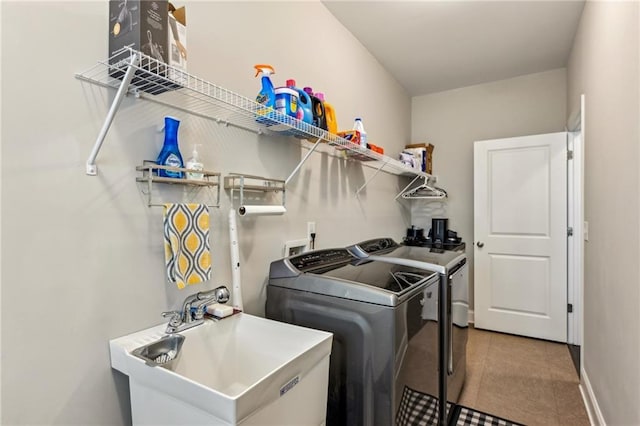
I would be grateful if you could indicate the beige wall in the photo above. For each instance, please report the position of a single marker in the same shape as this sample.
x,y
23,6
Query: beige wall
x,y
604,66
454,119
83,256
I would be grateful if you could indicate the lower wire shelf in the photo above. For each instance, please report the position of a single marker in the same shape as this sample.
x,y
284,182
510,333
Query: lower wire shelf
x,y
149,176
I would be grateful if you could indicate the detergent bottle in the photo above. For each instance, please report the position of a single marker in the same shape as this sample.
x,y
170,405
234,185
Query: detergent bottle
x,y
318,110
305,111
360,128
170,153
267,95
330,115
287,100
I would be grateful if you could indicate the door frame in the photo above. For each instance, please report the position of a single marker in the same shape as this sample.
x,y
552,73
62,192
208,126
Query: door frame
x,y
575,219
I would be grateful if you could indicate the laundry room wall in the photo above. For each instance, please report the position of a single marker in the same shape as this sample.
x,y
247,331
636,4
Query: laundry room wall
x,y
454,119
82,256
604,66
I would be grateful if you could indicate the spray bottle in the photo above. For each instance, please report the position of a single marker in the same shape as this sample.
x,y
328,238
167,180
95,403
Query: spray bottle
x,y
267,95
170,153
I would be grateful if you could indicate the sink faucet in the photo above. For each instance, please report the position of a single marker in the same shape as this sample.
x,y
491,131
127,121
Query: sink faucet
x,y
188,317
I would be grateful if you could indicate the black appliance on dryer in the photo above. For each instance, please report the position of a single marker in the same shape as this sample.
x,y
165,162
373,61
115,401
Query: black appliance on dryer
x,y
440,236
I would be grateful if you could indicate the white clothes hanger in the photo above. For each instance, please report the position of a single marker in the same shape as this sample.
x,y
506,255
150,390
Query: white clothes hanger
x,y
424,191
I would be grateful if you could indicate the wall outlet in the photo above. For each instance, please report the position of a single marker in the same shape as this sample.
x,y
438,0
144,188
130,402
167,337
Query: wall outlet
x,y
294,247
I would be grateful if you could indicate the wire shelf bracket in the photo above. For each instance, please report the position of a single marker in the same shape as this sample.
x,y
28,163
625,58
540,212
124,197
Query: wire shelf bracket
x,y
92,169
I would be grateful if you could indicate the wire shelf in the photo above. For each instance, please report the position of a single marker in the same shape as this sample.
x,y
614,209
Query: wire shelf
x,y
158,82
149,177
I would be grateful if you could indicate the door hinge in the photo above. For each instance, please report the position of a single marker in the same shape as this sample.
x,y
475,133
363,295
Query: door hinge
x,y
570,232
569,307
569,155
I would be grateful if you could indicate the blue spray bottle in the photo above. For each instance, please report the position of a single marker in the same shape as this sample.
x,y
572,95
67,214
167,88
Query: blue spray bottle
x,y
267,95
170,153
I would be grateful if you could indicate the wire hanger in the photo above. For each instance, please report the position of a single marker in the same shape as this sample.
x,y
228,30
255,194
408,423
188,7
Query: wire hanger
x,y
424,191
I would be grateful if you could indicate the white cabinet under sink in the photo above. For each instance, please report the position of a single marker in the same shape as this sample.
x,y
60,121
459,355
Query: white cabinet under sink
x,y
240,370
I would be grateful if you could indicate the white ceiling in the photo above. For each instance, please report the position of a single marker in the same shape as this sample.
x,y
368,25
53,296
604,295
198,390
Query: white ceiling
x,y
431,46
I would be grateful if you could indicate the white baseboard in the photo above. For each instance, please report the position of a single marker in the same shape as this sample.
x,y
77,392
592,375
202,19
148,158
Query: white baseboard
x,y
471,316
590,401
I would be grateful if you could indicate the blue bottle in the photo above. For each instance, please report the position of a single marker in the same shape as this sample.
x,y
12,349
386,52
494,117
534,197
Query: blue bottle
x,y
267,95
305,107
170,154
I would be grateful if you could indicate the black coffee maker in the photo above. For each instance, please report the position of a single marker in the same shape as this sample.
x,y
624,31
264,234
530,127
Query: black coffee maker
x,y
438,233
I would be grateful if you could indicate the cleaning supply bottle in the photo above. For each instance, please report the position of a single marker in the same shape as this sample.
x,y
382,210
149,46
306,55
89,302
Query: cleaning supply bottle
x,y
330,115
170,153
287,99
360,128
305,111
267,95
317,108
195,164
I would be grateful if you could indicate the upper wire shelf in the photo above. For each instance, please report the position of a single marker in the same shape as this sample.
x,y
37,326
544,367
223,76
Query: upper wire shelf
x,y
133,72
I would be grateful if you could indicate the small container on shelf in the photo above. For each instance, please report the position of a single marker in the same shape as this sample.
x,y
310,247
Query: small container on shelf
x,y
195,164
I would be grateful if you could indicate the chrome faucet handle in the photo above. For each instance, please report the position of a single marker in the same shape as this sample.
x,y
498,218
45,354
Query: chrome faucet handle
x,y
199,312
176,317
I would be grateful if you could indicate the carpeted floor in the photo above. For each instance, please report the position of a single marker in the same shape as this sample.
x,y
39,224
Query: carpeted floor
x,y
516,379
525,380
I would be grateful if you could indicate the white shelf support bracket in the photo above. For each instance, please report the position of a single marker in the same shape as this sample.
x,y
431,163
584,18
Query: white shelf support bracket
x,y
407,187
92,169
299,166
370,178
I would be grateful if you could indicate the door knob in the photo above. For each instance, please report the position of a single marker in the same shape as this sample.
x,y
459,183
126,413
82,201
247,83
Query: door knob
x,y
480,244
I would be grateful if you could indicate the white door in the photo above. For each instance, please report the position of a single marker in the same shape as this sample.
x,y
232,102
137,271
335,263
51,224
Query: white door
x,y
520,235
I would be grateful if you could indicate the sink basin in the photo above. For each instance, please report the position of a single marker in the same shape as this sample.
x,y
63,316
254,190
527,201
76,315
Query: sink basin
x,y
240,369
163,352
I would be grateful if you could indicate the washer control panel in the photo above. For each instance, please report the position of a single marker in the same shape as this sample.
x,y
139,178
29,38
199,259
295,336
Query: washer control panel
x,y
319,258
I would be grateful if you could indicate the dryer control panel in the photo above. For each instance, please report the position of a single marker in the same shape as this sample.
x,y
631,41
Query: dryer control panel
x,y
377,245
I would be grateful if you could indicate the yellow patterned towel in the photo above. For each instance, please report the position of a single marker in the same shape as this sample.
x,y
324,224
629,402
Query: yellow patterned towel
x,y
186,243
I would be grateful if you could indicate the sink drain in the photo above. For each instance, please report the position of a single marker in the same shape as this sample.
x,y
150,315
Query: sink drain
x,y
165,357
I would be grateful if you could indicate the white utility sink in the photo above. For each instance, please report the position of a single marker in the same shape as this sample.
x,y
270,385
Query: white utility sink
x,y
242,369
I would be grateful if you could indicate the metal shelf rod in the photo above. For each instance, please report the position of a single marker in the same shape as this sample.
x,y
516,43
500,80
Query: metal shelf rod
x,y
297,169
370,178
92,169
407,187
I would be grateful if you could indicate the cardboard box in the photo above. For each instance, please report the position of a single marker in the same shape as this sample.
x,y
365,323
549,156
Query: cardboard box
x,y
141,25
177,40
423,154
